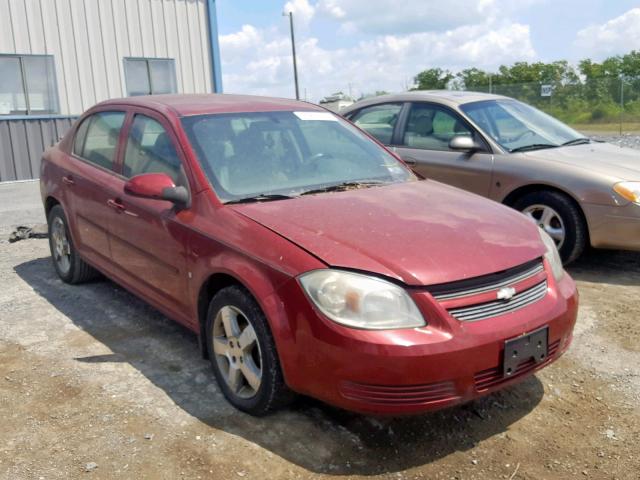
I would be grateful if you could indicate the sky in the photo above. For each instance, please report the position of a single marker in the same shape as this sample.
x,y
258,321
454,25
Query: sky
x,y
363,46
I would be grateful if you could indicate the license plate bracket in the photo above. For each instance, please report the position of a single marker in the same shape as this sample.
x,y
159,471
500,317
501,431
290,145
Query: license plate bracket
x,y
518,350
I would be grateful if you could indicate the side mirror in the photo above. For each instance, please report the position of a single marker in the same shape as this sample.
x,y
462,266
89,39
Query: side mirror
x,y
464,143
157,186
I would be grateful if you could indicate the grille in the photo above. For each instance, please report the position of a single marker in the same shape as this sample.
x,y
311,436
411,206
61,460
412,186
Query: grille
x,y
399,395
500,307
493,377
486,283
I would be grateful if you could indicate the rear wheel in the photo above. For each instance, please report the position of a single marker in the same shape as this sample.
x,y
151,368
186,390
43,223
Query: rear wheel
x,y
243,353
67,262
559,216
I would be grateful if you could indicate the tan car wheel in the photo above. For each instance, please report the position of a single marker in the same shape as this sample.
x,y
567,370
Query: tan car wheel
x,y
561,217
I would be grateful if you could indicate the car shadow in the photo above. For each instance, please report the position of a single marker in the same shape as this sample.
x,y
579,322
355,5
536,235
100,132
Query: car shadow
x,y
315,436
615,267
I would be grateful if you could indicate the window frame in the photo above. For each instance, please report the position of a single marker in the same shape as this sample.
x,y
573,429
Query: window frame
x,y
147,61
403,121
125,144
88,117
401,115
23,77
168,126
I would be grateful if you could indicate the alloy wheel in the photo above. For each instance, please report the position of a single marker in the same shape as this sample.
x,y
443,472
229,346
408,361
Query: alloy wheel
x,y
549,220
237,352
61,246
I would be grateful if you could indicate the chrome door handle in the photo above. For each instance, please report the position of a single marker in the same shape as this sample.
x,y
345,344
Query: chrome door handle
x,y
68,180
115,205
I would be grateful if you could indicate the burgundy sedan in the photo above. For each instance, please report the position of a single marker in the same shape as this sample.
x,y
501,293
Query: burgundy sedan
x,y
305,256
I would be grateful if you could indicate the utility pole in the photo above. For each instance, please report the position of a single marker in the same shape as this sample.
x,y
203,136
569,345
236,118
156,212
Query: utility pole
x,y
293,50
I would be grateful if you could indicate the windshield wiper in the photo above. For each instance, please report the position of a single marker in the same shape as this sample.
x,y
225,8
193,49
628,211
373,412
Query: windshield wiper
x,y
576,141
535,146
342,187
263,197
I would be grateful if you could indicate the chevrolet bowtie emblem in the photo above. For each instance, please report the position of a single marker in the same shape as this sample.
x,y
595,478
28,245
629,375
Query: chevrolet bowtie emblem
x,y
506,293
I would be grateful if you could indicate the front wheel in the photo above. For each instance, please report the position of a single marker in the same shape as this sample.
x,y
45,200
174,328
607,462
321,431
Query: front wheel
x,y
560,217
243,353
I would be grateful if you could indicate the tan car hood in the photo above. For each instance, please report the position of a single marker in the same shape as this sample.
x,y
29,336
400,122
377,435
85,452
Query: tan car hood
x,y
604,158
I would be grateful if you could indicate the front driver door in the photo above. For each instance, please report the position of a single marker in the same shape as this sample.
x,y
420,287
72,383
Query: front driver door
x,y
148,237
422,140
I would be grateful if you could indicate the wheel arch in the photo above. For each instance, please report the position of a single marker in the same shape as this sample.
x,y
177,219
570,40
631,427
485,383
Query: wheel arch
x,y
49,203
512,197
261,289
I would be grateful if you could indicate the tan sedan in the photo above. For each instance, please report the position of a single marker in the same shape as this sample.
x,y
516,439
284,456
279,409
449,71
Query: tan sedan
x,y
578,190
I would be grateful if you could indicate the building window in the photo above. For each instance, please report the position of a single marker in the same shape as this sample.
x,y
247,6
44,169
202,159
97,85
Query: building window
x,y
150,76
28,85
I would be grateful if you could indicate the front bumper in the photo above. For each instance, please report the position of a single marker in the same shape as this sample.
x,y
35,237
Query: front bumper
x,y
616,227
415,370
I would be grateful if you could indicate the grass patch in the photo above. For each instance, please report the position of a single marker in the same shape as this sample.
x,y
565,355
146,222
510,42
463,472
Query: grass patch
x,y
606,128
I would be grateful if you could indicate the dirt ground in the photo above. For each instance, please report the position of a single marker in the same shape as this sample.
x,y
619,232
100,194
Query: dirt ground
x,y
95,384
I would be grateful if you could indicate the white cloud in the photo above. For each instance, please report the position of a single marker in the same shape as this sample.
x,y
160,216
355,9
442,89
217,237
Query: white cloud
x,y
302,11
407,16
259,61
618,35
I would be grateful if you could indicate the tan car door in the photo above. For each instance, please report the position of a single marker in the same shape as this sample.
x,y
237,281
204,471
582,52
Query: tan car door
x,y
423,142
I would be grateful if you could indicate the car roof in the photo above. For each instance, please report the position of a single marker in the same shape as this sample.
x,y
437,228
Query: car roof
x,y
447,97
200,104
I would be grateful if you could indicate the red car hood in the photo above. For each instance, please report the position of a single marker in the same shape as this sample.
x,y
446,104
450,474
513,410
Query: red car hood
x,y
421,233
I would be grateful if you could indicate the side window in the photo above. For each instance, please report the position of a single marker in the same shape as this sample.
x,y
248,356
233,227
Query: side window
x,y
97,138
379,120
431,127
150,150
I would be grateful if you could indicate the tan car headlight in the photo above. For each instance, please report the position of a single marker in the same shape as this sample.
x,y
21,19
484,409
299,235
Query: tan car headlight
x,y
628,190
552,256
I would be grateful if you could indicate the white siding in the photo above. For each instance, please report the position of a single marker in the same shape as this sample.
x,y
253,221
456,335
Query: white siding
x,y
90,38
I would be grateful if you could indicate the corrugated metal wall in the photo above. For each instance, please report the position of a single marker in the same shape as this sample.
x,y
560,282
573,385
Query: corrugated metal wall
x,y
90,38
22,143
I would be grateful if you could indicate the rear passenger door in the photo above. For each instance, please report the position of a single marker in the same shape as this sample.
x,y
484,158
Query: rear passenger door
x,y
147,236
91,181
423,142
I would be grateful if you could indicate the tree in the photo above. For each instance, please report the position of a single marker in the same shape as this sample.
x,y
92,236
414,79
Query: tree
x,y
433,79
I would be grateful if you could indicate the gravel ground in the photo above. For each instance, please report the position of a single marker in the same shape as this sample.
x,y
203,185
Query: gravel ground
x,y
94,383
628,140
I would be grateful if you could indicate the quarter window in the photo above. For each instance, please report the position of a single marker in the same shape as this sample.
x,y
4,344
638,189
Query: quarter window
x,y
150,150
27,85
431,127
149,76
97,138
379,120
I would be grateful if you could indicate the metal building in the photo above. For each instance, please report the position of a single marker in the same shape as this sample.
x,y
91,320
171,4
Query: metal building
x,y
60,57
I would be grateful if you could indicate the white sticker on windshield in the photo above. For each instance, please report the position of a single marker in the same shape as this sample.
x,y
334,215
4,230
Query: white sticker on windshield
x,y
326,116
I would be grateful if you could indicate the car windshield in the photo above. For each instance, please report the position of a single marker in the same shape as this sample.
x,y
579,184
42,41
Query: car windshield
x,y
517,126
274,155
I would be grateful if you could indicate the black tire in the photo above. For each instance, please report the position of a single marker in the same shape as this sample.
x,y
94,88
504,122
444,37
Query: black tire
x,y
79,271
273,392
576,233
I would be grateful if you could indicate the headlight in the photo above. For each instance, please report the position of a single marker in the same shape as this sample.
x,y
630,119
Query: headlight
x,y
552,255
628,190
360,301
